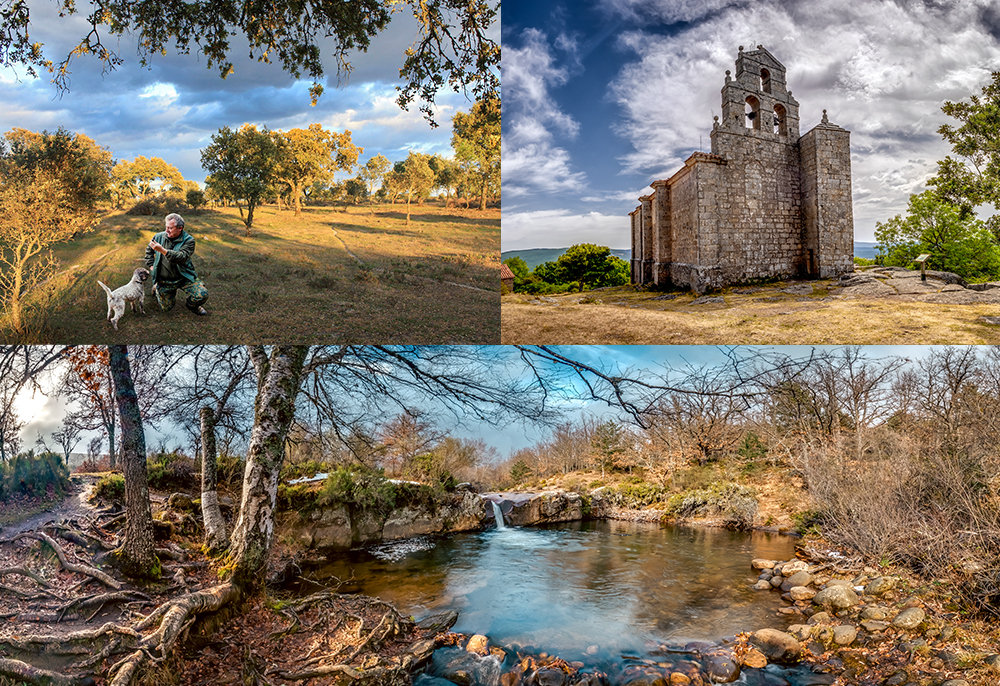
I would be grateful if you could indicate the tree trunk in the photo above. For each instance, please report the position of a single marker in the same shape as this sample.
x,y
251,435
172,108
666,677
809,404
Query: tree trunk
x,y
482,197
216,538
135,556
408,208
297,192
278,380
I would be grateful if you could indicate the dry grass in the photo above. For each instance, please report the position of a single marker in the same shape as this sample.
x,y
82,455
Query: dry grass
x,y
624,316
293,279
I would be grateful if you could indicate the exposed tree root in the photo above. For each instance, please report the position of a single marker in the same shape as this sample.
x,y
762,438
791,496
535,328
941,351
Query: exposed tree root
x,y
175,617
77,606
24,571
71,566
22,671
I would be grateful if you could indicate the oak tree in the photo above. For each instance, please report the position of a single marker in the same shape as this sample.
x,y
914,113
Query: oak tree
x,y
308,156
49,186
476,141
241,166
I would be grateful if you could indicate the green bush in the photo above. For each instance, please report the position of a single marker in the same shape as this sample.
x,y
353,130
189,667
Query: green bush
x,y
636,496
864,262
170,472
229,471
31,474
110,487
735,503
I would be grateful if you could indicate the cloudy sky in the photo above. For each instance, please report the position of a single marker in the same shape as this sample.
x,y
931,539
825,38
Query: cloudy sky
x,y
605,96
172,109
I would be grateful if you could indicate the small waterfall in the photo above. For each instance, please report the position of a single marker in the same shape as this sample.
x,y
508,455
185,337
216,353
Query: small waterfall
x,y
498,515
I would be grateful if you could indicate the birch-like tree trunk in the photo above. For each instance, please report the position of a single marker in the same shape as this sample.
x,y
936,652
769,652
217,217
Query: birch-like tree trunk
x,y
216,538
135,555
278,378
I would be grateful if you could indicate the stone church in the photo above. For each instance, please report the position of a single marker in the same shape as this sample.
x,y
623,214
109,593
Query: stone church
x,y
766,203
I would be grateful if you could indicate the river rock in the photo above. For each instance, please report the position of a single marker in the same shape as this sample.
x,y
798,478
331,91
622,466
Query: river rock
x,y
754,659
777,646
873,625
993,662
880,586
792,566
839,582
722,669
875,612
844,635
478,644
776,581
549,676
801,593
956,682
819,618
836,597
438,623
422,651
763,585
760,563
909,619
802,632
800,578
679,679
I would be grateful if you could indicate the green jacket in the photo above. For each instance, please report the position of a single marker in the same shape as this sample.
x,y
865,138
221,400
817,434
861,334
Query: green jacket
x,y
177,260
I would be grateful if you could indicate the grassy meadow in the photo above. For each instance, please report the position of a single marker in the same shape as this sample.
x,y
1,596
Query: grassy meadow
x,y
333,275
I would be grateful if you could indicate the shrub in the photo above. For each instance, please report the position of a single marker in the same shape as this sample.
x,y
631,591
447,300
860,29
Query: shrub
x,y
229,470
110,487
29,474
636,496
158,206
170,472
735,503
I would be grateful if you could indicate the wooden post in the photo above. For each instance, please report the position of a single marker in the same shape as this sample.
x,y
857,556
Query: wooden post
x,y
922,261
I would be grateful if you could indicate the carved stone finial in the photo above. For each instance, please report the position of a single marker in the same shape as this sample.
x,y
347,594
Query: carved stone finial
x,y
760,47
728,77
741,48
825,120
716,124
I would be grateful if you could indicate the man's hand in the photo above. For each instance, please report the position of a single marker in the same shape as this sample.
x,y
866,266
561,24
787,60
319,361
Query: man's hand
x,y
156,247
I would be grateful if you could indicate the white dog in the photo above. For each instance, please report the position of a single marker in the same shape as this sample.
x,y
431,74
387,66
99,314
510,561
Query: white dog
x,y
132,292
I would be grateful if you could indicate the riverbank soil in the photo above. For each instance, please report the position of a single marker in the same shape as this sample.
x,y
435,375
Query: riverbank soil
x,y
888,311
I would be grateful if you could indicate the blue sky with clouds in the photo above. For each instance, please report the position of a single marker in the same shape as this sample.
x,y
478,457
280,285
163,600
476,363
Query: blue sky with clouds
x,y
171,109
45,413
604,96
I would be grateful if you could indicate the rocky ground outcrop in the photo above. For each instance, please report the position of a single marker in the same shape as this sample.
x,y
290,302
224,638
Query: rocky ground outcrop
x,y
341,526
905,284
534,508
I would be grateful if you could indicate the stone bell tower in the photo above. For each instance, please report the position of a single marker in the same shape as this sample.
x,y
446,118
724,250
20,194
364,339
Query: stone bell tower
x,y
766,203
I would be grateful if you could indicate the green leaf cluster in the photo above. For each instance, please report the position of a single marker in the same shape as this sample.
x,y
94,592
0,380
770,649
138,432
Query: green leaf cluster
x,y
956,241
581,267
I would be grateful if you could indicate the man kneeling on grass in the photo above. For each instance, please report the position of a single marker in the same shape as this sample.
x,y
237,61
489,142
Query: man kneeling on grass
x,y
168,257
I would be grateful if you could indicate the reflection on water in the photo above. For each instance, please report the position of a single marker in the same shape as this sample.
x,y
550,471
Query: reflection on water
x,y
566,587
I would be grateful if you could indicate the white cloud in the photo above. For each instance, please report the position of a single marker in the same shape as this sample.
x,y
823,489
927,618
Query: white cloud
x,y
531,160
882,70
562,228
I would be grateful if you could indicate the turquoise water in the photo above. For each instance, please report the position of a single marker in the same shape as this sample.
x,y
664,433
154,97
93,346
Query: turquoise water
x,y
607,586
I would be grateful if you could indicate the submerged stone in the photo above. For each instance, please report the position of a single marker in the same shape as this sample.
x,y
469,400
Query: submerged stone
x,y
776,646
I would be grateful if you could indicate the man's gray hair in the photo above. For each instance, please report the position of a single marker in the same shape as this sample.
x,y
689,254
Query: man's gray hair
x,y
178,219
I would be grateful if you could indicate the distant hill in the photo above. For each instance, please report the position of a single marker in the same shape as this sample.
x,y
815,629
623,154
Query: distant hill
x,y
536,256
